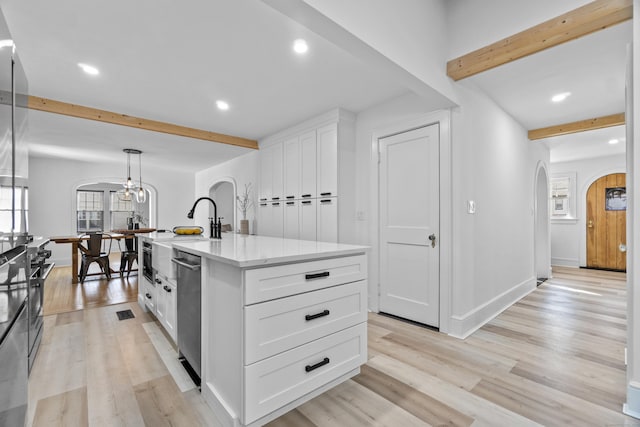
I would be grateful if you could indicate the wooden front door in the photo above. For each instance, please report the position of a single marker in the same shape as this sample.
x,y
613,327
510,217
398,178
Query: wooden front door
x,y
606,223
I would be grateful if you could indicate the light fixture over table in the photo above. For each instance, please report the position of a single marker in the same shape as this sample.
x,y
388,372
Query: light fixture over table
x,y
129,185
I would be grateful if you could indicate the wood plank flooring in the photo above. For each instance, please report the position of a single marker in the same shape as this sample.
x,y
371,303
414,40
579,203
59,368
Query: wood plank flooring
x,y
555,358
61,296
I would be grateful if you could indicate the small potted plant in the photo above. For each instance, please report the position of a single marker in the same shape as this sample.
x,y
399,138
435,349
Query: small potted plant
x,y
244,204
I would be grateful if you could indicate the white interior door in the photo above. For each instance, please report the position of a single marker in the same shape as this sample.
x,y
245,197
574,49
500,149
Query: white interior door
x,y
409,222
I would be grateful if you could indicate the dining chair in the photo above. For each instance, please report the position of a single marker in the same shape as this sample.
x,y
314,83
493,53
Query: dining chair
x,y
98,250
129,255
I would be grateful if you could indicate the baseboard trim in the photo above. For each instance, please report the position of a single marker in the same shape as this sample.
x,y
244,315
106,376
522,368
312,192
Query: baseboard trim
x,y
632,405
465,325
565,262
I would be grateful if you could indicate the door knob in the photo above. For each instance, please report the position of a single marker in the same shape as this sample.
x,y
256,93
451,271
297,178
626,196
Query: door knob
x,y
433,240
622,247
590,224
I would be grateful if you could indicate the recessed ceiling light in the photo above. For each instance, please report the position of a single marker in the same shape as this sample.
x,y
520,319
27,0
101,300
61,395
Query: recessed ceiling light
x,y
89,69
300,46
613,141
222,105
560,96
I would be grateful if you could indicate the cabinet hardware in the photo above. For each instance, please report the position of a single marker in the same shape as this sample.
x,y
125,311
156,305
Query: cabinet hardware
x,y
325,194
432,237
315,316
275,204
291,197
310,368
306,202
158,281
263,200
291,203
306,195
263,204
148,295
275,198
166,288
325,201
316,275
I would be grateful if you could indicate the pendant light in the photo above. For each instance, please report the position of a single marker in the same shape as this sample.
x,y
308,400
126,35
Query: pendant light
x,y
129,185
141,195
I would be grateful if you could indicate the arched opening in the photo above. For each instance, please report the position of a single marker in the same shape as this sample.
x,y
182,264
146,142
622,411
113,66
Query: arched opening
x,y
542,250
223,193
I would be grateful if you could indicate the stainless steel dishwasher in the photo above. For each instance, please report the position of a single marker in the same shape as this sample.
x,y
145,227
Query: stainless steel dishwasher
x,y
189,312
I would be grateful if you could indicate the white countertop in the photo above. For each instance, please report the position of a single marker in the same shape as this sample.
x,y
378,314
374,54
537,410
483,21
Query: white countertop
x,y
253,251
170,237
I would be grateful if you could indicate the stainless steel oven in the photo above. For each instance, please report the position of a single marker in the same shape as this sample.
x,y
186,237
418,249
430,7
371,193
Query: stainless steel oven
x,y
147,266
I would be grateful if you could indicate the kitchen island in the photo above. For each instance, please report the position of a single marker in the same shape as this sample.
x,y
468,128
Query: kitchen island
x,y
282,321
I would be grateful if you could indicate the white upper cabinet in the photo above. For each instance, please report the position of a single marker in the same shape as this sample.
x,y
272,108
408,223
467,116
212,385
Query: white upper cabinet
x,y
308,166
292,167
271,173
327,160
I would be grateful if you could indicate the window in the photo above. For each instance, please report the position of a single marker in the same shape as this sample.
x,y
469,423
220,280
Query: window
x,y
90,211
563,196
5,209
120,211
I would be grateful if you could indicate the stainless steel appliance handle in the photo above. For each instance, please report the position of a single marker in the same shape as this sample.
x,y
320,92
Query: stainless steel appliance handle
x,y
185,265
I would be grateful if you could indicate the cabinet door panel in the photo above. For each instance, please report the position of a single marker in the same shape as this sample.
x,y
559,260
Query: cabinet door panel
x,y
291,220
308,219
327,162
327,221
264,219
266,172
277,219
308,159
277,177
291,169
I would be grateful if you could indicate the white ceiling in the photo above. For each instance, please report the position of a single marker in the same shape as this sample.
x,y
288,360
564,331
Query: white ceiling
x,y
169,61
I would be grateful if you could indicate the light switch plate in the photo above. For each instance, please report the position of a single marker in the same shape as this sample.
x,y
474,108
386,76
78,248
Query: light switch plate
x,y
471,207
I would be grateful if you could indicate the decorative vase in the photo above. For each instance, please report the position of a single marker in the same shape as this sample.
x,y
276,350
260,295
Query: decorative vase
x,y
244,226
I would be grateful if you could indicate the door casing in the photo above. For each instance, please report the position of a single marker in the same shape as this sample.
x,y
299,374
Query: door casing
x,y
443,119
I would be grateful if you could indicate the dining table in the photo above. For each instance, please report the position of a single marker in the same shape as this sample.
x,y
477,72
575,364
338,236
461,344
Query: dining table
x,y
76,244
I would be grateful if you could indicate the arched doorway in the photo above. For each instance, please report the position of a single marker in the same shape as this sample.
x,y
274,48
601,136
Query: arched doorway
x,y
223,193
542,251
606,226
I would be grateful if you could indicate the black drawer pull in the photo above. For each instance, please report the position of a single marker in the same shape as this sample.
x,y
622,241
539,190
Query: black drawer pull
x,y
263,200
275,198
325,201
310,368
291,203
158,281
306,195
316,275
263,204
291,197
148,295
315,316
325,194
306,202
275,204
166,288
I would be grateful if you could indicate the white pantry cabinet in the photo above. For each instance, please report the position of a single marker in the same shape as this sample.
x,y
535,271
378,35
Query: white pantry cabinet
x,y
317,163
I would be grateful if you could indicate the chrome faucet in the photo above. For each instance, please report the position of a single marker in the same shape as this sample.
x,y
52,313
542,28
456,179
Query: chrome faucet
x,y
215,228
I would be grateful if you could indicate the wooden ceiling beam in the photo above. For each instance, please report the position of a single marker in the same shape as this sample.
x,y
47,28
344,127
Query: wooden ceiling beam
x,y
579,126
58,107
579,22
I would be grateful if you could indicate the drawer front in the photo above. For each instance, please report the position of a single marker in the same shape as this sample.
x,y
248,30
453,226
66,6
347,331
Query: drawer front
x,y
263,284
149,295
276,326
279,380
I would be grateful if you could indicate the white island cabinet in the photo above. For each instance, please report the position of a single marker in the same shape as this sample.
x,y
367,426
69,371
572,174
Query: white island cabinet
x,y
283,320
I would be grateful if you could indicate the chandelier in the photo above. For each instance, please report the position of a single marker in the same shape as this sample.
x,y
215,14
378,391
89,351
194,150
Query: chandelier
x,y
129,186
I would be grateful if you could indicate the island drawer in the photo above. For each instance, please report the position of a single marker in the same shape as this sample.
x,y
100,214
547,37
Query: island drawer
x,y
274,382
276,326
263,284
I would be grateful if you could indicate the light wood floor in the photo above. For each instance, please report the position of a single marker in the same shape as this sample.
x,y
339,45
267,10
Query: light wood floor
x,y
555,358
61,296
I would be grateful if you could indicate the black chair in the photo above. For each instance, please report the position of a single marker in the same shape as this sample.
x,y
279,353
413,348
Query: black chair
x,y
95,253
129,255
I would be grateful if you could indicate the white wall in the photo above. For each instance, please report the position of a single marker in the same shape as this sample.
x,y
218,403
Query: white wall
x,y
568,238
52,185
494,164
242,170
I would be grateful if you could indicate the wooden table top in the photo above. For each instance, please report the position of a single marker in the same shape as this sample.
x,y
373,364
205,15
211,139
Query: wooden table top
x,y
115,234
